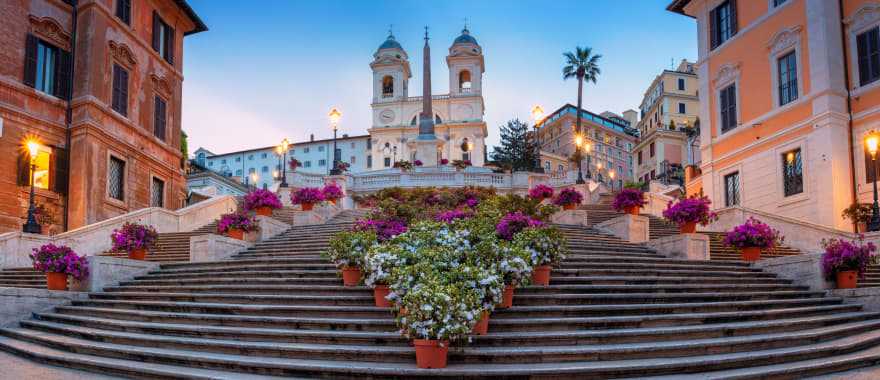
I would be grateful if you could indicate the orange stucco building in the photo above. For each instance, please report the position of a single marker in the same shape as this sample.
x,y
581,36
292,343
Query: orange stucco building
x,y
788,90
98,84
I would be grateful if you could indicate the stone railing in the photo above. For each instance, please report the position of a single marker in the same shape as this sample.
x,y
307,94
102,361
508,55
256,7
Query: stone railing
x,y
656,204
95,238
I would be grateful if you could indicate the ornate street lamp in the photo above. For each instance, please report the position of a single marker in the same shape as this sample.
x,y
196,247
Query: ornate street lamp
x,y
578,143
872,140
611,176
537,117
254,179
334,122
282,152
31,226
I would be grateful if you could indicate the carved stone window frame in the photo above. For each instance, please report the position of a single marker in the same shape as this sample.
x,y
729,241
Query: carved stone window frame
x,y
50,30
783,42
865,18
727,74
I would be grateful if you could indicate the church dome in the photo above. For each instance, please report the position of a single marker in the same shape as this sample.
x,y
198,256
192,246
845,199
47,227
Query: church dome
x,y
465,38
390,43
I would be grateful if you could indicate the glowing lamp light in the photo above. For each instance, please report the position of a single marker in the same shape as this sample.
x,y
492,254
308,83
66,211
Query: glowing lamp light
x,y
579,141
611,174
537,113
789,157
33,148
334,115
871,143
588,147
599,165
285,144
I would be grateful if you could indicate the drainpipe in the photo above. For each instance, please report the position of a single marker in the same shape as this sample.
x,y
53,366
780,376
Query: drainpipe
x,y
68,112
849,112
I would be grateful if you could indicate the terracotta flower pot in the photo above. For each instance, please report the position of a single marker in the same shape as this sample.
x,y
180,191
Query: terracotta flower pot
x,y
750,253
570,206
379,294
632,210
688,228
847,279
541,275
56,281
351,276
307,206
138,254
431,353
333,201
507,297
235,233
263,211
482,326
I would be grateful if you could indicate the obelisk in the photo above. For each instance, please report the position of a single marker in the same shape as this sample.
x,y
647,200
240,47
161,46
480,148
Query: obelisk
x,y
426,149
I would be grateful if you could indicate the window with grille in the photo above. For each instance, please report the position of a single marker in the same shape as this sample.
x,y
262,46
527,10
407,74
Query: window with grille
x,y
868,46
731,189
157,196
792,173
787,66
116,179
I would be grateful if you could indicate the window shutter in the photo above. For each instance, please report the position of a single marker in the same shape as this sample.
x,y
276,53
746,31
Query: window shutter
x,y
60,172
24,170
170,45
30,60
734,24
157,23
62,75
123,91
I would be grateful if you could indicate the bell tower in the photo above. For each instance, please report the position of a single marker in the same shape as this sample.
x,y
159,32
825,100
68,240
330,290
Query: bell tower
x,y
391,72
466,65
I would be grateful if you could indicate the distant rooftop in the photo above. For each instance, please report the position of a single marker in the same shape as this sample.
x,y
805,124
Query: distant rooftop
x,y
293,144
617,124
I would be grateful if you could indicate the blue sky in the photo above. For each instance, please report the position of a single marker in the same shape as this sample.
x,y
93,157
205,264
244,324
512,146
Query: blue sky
x,y
271,69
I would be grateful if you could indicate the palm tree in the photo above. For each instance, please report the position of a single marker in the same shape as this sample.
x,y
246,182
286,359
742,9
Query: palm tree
x,y
583,65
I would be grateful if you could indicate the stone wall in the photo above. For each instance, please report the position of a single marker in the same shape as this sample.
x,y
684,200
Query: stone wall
x,y
19,303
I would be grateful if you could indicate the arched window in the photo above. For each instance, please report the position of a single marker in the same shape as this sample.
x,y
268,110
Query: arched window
x,y
414,119
464,80
387,86
437,119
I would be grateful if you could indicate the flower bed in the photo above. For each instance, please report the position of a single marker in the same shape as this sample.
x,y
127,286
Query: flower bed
x,y
261,198
689,212
629,200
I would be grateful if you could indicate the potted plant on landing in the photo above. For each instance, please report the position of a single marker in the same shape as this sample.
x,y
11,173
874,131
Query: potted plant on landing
x,y
332,192
541,192
418,163
847,261
461,164
859,214
306,197
689,212
59,262
294,163
444,161
136,239
348,250
751,237
568,198
629,201
403,165
262,202
235,225
546,247
379,262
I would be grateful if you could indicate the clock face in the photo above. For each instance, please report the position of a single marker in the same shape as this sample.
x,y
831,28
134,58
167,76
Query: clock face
x,y
387,116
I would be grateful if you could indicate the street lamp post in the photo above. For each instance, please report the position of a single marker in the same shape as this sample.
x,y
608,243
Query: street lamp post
x,y
578,142
871,142
611,176
537,116
254,180
588,147
31,226
334,120
283,148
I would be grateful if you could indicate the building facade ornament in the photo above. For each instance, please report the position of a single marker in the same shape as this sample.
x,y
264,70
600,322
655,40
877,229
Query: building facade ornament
x,y
122,54
867,15
50,30
161,85
727,73
784,39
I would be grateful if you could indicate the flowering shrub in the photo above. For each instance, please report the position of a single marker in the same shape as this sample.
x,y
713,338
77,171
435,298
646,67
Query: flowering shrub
x,y
60,259
540,192
307,195
417,163
236,220
629,198
331,191
690,210
449,216
841,255
461,164
343,166
753,233
568,196
513,223
261,198
403,165
857,212
384,229
347,249
133,236
546,246
294,163
444,161
440,310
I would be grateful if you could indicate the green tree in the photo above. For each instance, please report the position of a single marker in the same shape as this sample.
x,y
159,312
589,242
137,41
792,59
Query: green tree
x,y
583,65
184,148
518,150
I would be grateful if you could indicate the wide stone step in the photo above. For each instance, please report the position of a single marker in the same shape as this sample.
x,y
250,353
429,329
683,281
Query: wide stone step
x,y
651,288
579,257
271,272
300,290
592,299
241,280
274,299
667,280
361,311
234,265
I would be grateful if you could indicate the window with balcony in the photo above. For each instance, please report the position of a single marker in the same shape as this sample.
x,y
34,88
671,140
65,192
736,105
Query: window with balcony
x,y
788,86
731,189
868,46
722,23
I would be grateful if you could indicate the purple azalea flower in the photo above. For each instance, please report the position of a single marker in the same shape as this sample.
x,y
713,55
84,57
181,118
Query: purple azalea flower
x,y
513,223
628,198
540,192
261,198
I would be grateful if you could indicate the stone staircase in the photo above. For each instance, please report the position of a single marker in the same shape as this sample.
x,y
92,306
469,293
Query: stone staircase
x,y
286,214
173,246
659,227
613,310
22,278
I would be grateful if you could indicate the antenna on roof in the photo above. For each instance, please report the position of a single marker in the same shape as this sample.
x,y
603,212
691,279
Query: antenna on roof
x,y
465,23
390,30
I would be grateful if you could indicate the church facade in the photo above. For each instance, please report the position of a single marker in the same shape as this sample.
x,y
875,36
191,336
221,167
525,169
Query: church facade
x,y
398,126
